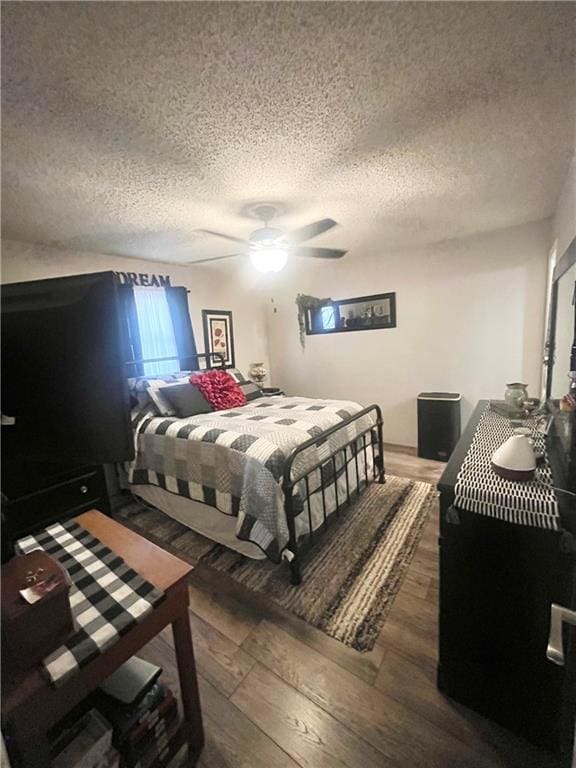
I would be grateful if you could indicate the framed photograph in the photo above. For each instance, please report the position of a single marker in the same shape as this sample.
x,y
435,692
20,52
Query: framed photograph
x,y
364,313
218,335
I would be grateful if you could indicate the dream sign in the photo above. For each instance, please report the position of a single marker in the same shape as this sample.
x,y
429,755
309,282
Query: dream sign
x,y
143,279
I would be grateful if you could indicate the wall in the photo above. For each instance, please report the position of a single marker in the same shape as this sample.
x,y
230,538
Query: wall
x,y
470,318
209,289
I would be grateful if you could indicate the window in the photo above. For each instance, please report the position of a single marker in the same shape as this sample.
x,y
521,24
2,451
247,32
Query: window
x,y
323,318
157,327
157,337
328,318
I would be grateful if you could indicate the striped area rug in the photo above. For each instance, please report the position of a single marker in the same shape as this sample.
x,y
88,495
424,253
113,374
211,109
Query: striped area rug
x,y
350,578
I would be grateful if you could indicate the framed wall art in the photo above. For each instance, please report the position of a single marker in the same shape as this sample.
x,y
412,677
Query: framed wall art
x,y
219,334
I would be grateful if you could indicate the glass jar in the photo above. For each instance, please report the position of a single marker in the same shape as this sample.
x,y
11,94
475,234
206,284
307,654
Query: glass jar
x,y
515,395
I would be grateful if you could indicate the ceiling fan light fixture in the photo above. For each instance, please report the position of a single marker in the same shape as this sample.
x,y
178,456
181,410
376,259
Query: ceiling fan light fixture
x,y
268,247
269,259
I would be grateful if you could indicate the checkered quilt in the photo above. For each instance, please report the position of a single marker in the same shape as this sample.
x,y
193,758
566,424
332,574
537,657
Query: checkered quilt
x,y
107,597
234,460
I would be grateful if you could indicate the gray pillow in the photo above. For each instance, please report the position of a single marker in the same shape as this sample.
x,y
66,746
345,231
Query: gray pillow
x,y
186,399
251,390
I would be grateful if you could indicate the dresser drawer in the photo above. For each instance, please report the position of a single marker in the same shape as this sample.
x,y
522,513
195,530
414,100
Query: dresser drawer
x,y
84,491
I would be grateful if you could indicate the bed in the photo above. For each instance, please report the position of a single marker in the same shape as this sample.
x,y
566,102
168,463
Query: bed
x,y
263,478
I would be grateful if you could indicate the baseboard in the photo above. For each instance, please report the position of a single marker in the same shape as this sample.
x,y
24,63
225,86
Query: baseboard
x,y
409,450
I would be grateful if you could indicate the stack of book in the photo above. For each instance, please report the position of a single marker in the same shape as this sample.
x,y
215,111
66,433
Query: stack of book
x,y
146,728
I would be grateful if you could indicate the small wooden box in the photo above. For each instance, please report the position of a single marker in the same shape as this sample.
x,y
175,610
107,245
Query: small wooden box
x,y
32,632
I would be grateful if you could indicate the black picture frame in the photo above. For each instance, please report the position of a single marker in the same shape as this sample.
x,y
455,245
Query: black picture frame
x,y
361,313
219,319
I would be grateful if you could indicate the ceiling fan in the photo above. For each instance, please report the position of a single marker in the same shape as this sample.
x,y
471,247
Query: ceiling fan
x,y
269,247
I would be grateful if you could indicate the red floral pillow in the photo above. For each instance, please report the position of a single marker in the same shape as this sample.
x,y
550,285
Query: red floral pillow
x,y
219,388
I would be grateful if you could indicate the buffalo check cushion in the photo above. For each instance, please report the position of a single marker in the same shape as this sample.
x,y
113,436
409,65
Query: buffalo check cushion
x,y
107,597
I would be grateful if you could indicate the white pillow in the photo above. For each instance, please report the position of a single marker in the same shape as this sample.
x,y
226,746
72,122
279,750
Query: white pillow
x,y
145,388
164,406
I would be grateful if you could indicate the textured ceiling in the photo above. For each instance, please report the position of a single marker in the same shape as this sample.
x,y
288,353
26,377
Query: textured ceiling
x,y
126,126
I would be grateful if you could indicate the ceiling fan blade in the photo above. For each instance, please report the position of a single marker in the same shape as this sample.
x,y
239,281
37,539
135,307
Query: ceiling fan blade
x,y
310,230
319,253
215,258
222,235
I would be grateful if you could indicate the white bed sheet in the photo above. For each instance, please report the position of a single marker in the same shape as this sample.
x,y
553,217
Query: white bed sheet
x,y
201,518
221,528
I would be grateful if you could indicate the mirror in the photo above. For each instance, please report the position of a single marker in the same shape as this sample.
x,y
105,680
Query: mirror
x,y
562,333
363,313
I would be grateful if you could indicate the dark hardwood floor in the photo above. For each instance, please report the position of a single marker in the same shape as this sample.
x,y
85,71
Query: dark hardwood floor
x,y
277,693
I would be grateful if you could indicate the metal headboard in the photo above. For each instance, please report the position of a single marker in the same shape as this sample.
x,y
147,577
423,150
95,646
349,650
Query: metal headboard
x,y
216,355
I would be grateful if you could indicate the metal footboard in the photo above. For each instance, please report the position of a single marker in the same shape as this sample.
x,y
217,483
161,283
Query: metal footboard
x,y
369,439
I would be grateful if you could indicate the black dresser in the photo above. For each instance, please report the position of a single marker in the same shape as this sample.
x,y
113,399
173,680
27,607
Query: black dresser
x,y
497,583
39,500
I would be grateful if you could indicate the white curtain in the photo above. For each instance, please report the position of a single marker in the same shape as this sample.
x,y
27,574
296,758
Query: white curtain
x,y
156,330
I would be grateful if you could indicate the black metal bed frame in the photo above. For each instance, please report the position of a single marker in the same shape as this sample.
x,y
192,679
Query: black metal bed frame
x,y
219,358
328,470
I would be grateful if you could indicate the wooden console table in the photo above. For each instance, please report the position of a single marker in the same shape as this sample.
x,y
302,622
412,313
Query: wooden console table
x,y
30,706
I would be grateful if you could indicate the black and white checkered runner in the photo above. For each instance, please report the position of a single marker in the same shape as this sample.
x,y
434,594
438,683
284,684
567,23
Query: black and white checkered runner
x,y
479,489
107,597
